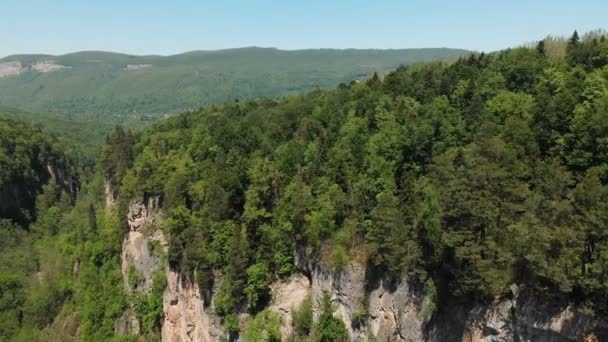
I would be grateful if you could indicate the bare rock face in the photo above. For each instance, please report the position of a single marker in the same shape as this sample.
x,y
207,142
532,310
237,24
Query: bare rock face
x,y
287,296
109,193
525,317
137,66
11,68
127,324
186,317
398,311
138,262
372,308
48,66
394,310
346,290
14,68
136,256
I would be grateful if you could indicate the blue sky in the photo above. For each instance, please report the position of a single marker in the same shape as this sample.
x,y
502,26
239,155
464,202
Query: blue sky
x,y
168,27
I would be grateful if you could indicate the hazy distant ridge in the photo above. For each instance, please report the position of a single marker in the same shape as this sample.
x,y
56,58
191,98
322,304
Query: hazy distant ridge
x,y
107,82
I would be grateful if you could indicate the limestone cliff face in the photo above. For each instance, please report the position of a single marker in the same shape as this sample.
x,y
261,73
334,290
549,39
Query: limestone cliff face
x,y
287,296
187,319
138,262
400,310
346,290
525,316
14,68
136,257
372,307
385,310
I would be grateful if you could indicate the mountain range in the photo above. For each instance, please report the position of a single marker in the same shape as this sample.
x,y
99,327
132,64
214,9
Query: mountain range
x,y
106,83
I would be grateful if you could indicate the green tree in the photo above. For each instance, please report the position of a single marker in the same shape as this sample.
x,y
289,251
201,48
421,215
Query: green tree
x,y
329,328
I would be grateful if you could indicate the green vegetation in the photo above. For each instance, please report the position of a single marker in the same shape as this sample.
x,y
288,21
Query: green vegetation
x,y
26,156
109,87
467,177
58,268
484,172
149,307
81,137
302,320
264,327
329,328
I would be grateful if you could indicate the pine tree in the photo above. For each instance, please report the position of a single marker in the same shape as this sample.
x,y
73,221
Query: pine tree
x,y
540,47
574,40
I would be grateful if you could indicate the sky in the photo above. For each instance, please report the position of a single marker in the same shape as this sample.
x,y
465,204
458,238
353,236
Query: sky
x,y
170,27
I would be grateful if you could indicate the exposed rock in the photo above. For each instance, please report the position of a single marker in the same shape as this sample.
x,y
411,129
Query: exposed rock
x,y
11,68
137,66
109,193
527,317
64,179
18,197
186,317
136,255
287,296
398,311
346,290
127,324
48,66
14,68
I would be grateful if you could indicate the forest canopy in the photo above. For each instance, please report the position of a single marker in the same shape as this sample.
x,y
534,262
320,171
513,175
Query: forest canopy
x,y
467,177
478,174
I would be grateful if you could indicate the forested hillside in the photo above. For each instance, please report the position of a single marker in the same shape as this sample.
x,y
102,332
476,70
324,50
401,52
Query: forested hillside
x,y
110,87
82,138
38,186
465,177
470,176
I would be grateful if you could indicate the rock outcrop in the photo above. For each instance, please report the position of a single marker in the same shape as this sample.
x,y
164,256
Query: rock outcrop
x,y
10,68
346,289
186,317
372,308
398,311
524,317
143,216
14,68
287,296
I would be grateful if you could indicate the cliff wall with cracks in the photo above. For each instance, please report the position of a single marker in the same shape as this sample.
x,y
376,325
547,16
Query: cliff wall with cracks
x,y
372,308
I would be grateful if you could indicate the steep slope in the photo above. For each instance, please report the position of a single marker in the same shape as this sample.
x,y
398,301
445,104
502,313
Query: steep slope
x,y
38,183
461,202
29,160
110,83
442,202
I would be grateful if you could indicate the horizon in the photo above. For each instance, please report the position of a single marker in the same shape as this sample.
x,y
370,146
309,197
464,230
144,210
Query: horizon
x,y
234,48
140,28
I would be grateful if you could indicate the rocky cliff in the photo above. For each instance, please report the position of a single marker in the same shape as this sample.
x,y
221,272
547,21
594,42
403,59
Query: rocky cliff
x,y
373,308
186,316
14,68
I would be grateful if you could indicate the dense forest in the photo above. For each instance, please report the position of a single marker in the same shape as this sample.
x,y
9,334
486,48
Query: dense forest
x,y
470,176
467,176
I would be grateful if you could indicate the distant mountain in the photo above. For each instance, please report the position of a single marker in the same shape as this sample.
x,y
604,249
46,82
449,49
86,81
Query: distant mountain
x,y
94,82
